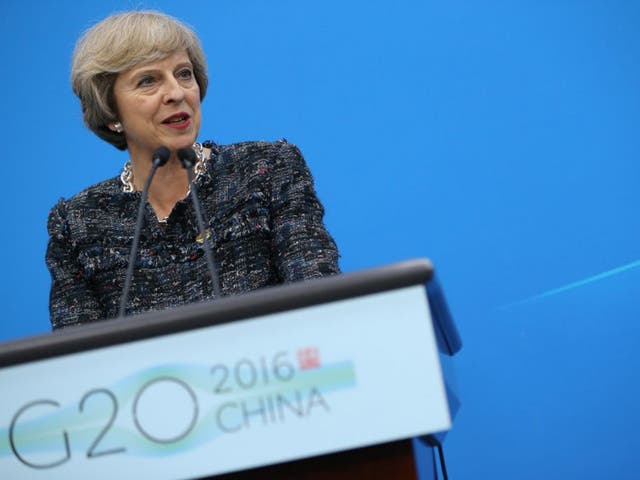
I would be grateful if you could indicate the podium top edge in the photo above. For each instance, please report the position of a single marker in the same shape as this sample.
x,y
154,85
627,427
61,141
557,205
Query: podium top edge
x,y
227,309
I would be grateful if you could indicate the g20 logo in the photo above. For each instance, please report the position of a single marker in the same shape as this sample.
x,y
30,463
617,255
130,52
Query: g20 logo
x,y
40,439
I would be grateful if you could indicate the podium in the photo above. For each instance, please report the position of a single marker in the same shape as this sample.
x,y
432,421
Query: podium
x,y
328,378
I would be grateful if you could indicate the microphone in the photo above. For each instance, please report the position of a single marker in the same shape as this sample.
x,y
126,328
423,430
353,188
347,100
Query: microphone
x,y
188,159
158,159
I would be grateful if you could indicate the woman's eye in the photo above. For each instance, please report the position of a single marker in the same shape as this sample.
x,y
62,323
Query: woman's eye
x,y
145,81
185,74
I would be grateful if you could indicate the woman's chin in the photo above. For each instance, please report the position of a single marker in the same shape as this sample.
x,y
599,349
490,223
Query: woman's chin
x,y
175,146
183,142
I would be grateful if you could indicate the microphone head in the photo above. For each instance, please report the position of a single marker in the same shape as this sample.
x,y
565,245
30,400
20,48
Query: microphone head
x,y
187,157
160,156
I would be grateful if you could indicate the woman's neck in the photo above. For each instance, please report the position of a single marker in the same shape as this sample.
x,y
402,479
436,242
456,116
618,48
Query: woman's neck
x,y
170,184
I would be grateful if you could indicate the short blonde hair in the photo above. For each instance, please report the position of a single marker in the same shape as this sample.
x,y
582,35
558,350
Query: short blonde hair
x,y
117,43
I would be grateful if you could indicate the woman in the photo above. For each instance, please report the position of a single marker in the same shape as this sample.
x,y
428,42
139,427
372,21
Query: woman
x,y
140,77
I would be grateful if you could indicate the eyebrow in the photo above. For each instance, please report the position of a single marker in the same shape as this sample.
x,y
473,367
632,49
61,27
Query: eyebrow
x,y
145,70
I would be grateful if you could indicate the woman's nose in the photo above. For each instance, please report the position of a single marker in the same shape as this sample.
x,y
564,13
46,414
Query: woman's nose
x,y
173,91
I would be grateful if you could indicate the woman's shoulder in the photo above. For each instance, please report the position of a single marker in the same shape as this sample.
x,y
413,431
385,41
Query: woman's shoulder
x,y
259,154
251,150
90,195
96,198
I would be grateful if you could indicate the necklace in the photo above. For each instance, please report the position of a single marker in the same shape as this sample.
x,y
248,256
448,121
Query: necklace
x,y
126,177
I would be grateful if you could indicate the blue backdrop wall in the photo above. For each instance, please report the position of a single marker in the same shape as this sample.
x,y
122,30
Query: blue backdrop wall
x,y
497,138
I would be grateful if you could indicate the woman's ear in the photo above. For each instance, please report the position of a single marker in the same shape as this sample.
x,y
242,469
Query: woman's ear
x,y
115,127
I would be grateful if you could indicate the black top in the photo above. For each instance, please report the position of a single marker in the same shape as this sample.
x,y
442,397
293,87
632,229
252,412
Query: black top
x,y
261,210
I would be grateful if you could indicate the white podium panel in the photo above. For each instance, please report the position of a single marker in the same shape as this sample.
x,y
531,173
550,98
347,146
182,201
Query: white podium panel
x,y
278,387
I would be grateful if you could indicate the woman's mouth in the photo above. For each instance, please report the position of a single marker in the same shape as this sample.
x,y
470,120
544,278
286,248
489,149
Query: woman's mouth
x,y
177,120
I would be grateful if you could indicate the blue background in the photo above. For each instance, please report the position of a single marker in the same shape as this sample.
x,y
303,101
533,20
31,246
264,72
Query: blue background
x,y
498,138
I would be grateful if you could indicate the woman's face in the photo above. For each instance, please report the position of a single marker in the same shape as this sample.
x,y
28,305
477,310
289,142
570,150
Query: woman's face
x,y
158,105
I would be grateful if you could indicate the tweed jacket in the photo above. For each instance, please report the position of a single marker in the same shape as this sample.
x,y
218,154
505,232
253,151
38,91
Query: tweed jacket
x,y
263,220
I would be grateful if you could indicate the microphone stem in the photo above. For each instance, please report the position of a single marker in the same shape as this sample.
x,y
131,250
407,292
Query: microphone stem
x,y
136,238
203,234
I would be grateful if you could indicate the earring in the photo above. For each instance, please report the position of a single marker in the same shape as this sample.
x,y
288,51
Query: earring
x,y
118,127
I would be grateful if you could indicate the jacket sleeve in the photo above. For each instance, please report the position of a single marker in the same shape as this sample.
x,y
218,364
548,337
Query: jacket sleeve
x,y
71,301
302,247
